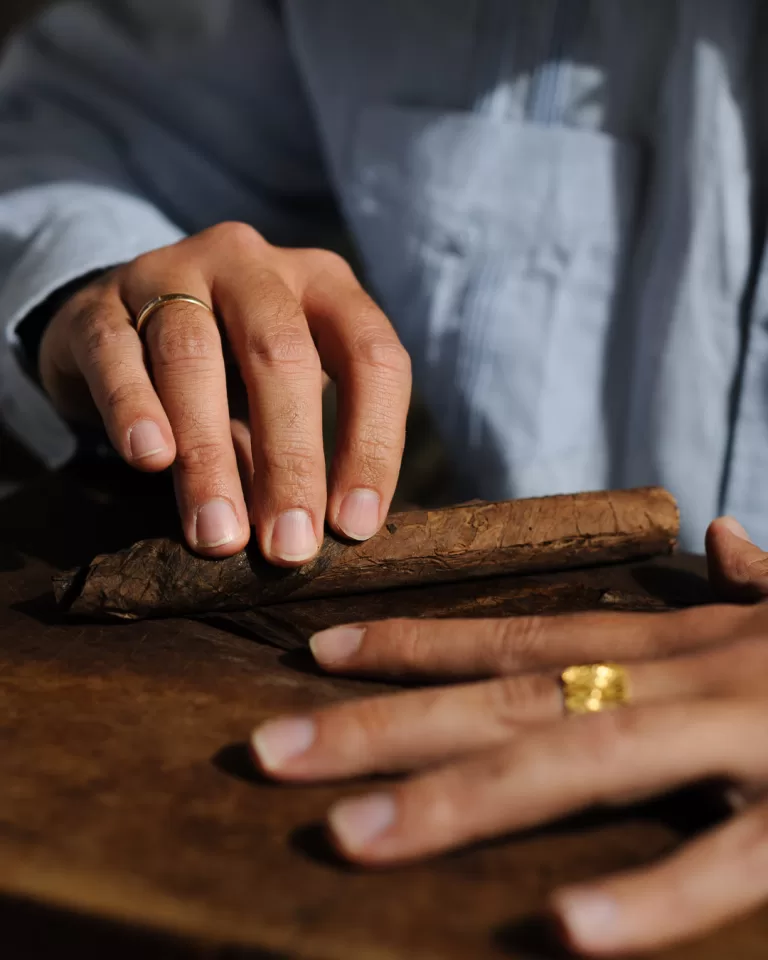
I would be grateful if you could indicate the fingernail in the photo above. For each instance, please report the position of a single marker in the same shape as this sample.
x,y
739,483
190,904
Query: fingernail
x,y
357,822
146,440
278,741
736,528
293,536
336,644
590,918
359,514
216,524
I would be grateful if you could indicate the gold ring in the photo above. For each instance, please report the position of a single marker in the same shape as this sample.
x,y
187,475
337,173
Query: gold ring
x,y
149,309
590,688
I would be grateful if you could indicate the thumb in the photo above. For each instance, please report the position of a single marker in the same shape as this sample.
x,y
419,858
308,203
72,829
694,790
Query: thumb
x,y
738,569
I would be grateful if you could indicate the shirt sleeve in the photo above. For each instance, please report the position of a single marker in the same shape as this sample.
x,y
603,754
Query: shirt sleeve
x,y
121,131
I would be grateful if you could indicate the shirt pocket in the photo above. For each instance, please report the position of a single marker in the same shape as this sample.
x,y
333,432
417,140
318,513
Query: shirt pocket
x,y
498,249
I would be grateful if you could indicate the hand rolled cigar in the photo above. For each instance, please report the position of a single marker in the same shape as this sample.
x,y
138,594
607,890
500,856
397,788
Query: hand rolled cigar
x,y
161,578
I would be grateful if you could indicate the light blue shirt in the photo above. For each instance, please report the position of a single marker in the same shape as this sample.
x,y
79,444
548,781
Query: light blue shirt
x,y
556,202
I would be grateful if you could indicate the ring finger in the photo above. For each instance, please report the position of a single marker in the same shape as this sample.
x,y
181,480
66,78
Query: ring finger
x,y
185,354
408,730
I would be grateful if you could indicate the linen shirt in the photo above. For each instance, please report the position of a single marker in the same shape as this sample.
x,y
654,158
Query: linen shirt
x,y
557,202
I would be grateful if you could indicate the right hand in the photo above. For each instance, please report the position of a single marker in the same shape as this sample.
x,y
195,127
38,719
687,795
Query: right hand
x,y
288,317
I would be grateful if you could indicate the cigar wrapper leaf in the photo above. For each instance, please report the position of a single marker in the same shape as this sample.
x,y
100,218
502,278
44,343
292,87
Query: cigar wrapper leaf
x,y
162,578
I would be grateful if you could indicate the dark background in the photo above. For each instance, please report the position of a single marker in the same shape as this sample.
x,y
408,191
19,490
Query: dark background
x,y
11,11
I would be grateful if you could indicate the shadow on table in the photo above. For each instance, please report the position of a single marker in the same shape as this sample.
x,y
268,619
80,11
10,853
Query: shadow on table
x,y
43,932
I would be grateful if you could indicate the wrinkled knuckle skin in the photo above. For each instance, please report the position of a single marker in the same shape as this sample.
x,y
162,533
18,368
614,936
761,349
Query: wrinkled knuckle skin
x,y
382,351
403,638
97,334
757,570
372,459
197,457
179,336
125,396
516,641
294,466
370,721
511,698
287,346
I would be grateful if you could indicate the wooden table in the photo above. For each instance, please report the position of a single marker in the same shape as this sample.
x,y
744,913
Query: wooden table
x,y
132,823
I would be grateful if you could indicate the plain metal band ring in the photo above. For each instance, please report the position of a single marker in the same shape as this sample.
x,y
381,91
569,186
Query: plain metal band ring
x,y
149,309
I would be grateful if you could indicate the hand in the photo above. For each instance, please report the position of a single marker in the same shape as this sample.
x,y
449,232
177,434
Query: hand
x,y
287,316
499,754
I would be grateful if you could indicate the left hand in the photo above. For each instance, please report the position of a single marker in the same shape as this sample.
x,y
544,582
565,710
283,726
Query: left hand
x,y
496,755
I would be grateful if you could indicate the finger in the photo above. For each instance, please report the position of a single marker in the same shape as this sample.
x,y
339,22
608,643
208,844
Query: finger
x,y
363,355
185,352
487,647
713,880
110,357
242,442
281,370
403,731
738,568
554,770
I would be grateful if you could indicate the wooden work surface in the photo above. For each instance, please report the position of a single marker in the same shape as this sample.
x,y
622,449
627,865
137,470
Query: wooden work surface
x,y
130,819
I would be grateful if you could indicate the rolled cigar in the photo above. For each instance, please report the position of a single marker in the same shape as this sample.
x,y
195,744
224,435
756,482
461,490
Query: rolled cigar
x,y
161,578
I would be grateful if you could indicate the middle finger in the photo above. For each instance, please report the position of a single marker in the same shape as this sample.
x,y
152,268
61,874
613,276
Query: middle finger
x,y
281,370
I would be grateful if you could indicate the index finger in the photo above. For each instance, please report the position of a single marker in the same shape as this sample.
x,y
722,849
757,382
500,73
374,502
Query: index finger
x,y
485,648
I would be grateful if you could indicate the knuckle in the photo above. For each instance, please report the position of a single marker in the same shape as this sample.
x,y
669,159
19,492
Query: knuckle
x,y
371,719
513,698
286,344
238,235
294,464
443,803
99,335
320,261
198,456
123,395
516,641
407,639
373,455
182,336
757,569
381,350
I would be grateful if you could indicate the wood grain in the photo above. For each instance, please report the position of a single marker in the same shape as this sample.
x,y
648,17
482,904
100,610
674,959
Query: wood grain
x,y
130,815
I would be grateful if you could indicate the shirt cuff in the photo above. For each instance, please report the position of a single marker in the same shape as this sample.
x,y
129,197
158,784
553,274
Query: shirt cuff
x,y
85,230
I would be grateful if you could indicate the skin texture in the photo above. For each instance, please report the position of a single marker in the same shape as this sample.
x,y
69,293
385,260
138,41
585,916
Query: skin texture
x,y
493,751
287,321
